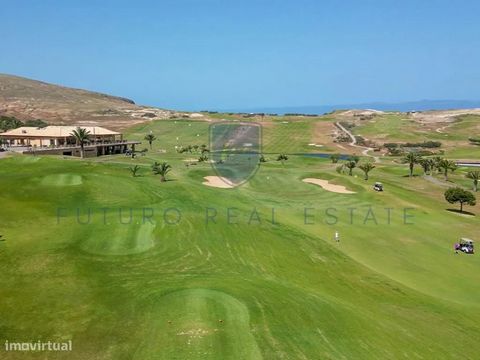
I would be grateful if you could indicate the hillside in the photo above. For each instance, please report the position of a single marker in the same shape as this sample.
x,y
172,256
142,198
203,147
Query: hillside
x,y
28,99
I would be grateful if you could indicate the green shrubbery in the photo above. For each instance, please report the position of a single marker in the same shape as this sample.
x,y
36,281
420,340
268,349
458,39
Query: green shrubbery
x,y
458,195
8,123
474,141
398,149
425,144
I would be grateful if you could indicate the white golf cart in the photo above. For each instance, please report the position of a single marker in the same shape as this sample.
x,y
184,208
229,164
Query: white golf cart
x,y
465,245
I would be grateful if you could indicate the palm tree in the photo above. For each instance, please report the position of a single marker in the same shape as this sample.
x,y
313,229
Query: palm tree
x,y
81,136
350,165
411,159
161,169
134,170
432,163
436,161
426,165
366,168
446,165
475,176
150,138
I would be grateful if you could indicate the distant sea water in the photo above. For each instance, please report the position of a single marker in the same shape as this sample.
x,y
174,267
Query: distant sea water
x,y
422,105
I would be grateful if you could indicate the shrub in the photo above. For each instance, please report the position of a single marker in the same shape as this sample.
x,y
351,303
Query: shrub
x,y
461,196
8,123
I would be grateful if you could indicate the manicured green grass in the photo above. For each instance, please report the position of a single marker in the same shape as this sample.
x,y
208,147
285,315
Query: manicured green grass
x,y
390,128
286,136
464,152
62,180
399,128
465,126
235,287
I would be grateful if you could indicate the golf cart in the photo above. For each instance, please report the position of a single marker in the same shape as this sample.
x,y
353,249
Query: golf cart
x,y
465,245
378,186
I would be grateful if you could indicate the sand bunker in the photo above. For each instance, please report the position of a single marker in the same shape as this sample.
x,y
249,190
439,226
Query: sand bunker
x,y
218,182
329,187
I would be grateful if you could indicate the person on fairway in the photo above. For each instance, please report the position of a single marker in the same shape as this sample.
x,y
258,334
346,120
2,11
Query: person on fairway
x,y
337,236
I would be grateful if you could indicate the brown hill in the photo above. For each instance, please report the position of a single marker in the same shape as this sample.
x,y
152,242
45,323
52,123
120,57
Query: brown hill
x,y
28,99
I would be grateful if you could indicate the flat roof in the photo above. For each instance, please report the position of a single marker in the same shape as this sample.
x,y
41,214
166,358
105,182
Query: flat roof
x,y
55,131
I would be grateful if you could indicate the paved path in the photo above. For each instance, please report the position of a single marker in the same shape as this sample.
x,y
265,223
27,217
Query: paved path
x,y
443,183
354,143
436,181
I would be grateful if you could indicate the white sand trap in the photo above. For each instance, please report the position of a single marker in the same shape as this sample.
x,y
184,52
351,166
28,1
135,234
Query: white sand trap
x,y
329,187
218,182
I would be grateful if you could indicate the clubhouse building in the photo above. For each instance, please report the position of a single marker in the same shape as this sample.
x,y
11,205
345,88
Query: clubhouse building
x,y
58,140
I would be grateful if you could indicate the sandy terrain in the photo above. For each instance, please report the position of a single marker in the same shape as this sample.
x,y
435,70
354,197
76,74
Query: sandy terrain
x,y
218,182
361,112
329,187
442,116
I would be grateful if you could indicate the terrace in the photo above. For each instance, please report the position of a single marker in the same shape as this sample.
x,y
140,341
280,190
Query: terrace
x,y
91,149
58,140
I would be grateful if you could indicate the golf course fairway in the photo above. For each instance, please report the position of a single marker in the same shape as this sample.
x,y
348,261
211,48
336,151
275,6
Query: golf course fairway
x,y
134,268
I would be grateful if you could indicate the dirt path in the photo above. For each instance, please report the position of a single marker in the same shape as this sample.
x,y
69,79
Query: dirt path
x,y
353,143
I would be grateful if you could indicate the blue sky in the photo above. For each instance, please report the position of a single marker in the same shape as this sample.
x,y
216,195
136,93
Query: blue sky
x,y
209,54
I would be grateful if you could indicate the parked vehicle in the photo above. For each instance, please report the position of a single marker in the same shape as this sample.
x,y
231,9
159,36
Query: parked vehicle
x,y
465,245
378,186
